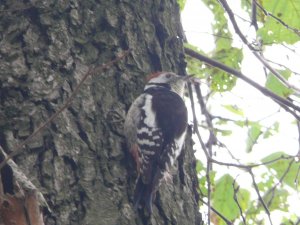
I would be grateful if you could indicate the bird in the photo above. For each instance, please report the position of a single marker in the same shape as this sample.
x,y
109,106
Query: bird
x,y
155,129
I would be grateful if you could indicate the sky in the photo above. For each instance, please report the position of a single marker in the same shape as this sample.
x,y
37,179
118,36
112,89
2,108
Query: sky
x,y
196,20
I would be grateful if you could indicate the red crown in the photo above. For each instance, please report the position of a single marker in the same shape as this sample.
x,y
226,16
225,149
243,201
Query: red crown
x,y
153,75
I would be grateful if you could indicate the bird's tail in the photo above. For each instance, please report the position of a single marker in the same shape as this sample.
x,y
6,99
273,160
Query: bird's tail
x,y
144,194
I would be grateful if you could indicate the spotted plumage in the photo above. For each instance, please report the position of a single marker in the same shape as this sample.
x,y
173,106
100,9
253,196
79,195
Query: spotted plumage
x,y
155,128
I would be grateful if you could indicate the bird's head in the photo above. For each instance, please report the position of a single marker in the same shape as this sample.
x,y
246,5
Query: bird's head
x,y
167,80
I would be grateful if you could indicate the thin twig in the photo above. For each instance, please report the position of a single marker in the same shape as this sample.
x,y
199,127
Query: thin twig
x,y
272,190
281,65
296,31
259,196
253,50
238,74
196,130
212,140
19,148
195,121
298,127
218,213
208,165
235,191
247,167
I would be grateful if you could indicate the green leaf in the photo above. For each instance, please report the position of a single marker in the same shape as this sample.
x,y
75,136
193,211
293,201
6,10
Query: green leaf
x,y
266,183
253,134
224,51
281,166
181,4
243,197
240,123
225,132
222,81
199,166
232,57
276,86
291,220
277,199
201,173
222,198
203,181
273,31
194,66
234,109
271,130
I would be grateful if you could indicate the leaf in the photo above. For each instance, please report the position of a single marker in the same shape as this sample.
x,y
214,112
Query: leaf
x,y
271,130
290,220
224,51
277,199
281,166
181,4
232,57
276,86
201,173
243,197
194,66
225,132
221,81
234,109
273,31
222,198
240,123
199,166
267,182
253,134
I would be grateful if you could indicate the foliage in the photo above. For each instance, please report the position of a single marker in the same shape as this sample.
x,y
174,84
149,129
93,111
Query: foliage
x,y
274,174
283,166
274,85
285,11
181,4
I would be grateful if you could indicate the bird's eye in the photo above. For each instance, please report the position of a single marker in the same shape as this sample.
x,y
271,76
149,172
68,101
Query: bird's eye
x,y
168,75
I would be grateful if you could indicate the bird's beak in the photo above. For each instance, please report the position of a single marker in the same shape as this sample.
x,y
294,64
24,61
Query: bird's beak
x,y
187,77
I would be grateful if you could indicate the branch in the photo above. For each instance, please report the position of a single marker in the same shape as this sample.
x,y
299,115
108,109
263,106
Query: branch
x,y
196,130
259,196
212,140
281,65
19,148
235,191
218,213
248,167
296,31
253,15
253,50
298,127
296,181
272,190
281,101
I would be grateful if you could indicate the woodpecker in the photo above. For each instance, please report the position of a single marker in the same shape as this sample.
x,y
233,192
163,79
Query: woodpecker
x,y
155,128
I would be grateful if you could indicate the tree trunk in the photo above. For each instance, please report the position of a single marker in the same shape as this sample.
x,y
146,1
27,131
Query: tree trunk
x,y
80,162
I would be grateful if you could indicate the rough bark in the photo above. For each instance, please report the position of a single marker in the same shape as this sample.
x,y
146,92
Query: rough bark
x,y
80,162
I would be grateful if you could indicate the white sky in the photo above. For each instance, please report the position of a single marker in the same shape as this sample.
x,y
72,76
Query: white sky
x,y
196,20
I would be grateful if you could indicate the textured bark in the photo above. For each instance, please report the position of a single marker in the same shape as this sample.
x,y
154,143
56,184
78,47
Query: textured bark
x,y
20,201
80,162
